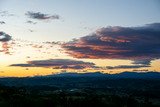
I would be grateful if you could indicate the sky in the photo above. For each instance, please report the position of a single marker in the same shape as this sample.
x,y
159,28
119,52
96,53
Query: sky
x,y
45,37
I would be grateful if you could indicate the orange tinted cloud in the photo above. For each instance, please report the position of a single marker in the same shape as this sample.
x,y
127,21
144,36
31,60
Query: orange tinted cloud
x,y
131,43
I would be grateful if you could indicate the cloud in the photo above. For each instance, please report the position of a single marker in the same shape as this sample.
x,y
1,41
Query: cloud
x,y
127,66
140,70
5,48
18,45
30,30
131,43
2,22
4,37
41,16
137,64
57,64
31,22
142,62
22,65
53,42
5,13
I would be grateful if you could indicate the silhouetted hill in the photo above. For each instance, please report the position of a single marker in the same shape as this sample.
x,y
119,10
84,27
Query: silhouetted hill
x,y
148,75
144,75
69,74
77,80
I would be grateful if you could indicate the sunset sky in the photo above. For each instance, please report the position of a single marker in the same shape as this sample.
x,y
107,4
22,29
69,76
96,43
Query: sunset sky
x,y
45,37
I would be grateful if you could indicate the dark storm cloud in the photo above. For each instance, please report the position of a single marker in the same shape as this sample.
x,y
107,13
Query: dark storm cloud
x,y
132,43
57,64
127,66
41,16
2,22
4,37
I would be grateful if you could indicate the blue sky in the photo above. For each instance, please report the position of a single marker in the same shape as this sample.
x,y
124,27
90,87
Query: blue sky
x,y
78,18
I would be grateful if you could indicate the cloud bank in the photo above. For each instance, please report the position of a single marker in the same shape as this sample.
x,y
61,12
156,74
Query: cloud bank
x,y
127,66
131,43
57,64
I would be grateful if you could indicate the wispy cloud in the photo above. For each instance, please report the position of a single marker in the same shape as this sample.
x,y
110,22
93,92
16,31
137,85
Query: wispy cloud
x,y
5,48
127,66
5,14
31,22
41,16
2,22
141,63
